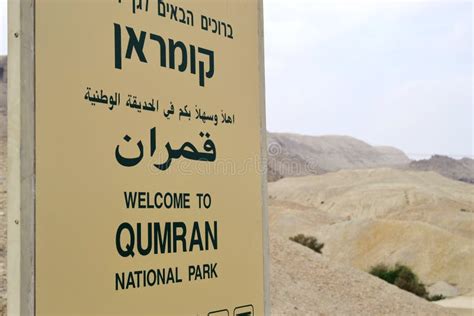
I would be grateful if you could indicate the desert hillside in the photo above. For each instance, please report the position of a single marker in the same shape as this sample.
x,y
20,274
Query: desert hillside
x,y
372,216
306,283
292,155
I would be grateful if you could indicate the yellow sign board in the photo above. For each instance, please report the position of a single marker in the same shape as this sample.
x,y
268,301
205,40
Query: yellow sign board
x,y
149,181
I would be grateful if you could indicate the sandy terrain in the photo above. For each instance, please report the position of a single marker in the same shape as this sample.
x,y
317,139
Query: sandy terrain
x,y
366,217
306,283
384,194
462,305
435,254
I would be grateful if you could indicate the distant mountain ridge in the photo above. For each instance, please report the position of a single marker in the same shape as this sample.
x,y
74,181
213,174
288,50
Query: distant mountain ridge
x,y
292,155
458,169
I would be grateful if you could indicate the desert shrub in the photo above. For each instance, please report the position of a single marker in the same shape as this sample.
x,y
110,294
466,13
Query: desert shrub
x,y
308,241
383,272
436,297
401,276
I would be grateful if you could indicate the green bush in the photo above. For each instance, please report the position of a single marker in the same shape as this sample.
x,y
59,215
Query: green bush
x,y
401,276
308,241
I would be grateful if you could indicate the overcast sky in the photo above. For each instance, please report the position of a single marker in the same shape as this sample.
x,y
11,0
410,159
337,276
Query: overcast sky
x,y
3,27
389,73
393,73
